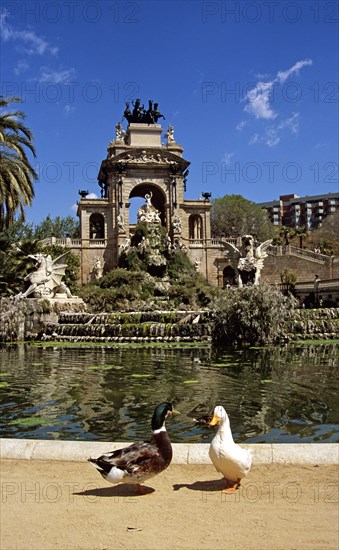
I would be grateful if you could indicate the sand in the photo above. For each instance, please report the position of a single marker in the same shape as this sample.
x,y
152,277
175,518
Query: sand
x,y
67,505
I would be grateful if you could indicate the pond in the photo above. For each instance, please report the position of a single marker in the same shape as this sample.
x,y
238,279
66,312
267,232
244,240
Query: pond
x,y
285,394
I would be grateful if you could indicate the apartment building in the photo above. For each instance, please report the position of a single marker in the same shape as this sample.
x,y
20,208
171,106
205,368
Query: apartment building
x,y
294,211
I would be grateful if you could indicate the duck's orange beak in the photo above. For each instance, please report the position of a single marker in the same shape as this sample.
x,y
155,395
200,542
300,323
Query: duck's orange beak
x,y
214,420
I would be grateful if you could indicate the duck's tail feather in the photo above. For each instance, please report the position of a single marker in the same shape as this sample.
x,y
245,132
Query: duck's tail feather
x,y
97,464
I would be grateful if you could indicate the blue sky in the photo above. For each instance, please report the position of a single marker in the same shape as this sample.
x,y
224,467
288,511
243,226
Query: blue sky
x,y
251,88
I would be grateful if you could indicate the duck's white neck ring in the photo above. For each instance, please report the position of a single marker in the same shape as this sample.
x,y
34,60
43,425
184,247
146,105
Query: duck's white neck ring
x,y
159,430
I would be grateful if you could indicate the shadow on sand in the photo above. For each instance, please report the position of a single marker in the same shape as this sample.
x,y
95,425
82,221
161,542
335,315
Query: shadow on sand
x,y
213,485
123,490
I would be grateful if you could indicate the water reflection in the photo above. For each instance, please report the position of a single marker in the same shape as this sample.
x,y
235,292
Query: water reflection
x,y
286,394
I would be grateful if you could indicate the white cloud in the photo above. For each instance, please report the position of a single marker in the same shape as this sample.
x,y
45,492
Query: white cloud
x,y
271,136
241,124
74,206
320,145
27,40
292,123
21,67
261,76
284,75
259,101
227,158
254,139
258,98
258,104
51,76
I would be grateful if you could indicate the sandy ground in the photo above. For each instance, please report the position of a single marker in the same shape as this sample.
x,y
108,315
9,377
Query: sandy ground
x,y
67,505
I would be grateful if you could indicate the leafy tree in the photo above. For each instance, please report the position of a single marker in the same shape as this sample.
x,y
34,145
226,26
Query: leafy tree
x,y
288,280
326,237
301,233
19,231
16,173
287,234
255,315
233,216
59,228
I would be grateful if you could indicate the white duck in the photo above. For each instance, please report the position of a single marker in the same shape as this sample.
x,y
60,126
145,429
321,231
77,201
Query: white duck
x,y
228,458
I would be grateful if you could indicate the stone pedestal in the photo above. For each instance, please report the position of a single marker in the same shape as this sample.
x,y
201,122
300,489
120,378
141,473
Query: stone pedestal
x,y
144,135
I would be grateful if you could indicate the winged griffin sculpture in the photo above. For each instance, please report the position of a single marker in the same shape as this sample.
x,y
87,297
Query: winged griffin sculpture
x,y
46,280
248,261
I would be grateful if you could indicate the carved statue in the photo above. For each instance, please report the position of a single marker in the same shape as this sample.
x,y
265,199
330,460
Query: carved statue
x,y
147,213
127,113
149,113
138,111
119,132
177,227
97,270
170,134
248,261
121,225
46,280
140,115
125,245
156,113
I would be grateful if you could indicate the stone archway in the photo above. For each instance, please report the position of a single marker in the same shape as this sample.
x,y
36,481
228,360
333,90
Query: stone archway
x,y
229,278
158,197
96,226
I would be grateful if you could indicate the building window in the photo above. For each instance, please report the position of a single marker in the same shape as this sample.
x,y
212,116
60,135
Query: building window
x,y
96,226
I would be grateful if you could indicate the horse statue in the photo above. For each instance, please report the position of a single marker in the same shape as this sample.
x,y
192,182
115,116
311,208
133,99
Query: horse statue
x,y
140,115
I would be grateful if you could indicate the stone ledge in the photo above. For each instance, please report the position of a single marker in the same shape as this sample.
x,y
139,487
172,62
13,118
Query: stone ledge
x,y
183,453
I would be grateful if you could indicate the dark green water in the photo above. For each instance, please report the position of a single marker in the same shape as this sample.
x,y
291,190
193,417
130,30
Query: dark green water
x,y
280,395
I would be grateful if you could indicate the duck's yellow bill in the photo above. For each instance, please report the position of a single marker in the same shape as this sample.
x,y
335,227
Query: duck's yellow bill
x,y
214,420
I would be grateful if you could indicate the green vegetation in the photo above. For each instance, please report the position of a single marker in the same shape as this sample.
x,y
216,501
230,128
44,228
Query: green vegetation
x,y
233,216
326,238
124,290
254,315
288,280
149,273
16,173
61,228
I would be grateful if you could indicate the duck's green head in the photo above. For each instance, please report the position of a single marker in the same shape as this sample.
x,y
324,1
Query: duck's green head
x,y
160,414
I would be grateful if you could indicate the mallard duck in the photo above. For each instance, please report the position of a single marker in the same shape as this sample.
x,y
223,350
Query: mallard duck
x,y
141,460
231,460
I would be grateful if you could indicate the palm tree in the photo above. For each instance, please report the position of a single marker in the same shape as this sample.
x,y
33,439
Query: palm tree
x,y
301,232
286,233
16,173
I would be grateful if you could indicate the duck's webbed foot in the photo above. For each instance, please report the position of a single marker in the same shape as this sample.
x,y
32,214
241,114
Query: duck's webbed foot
x,y
231,486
